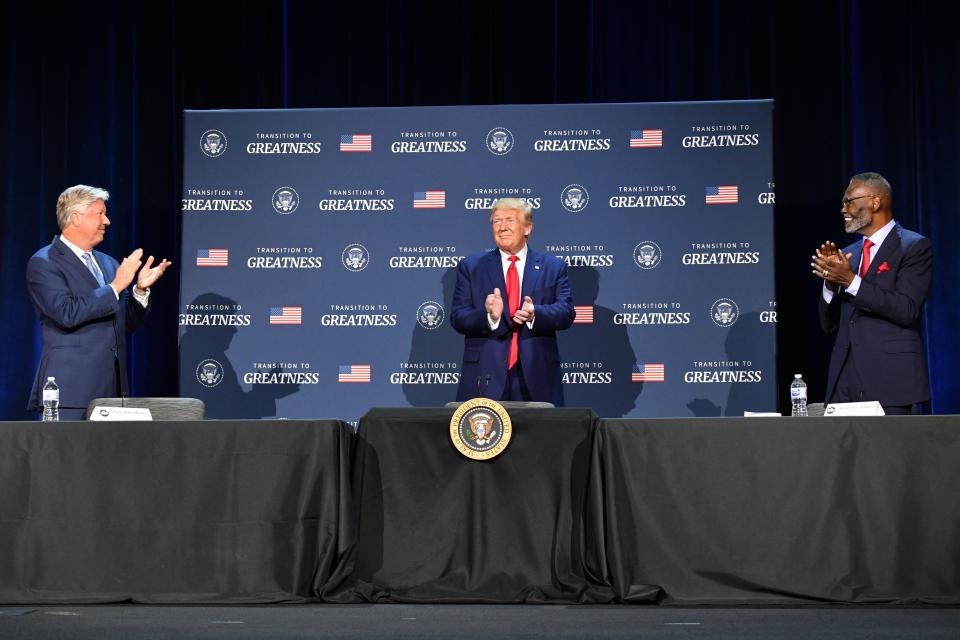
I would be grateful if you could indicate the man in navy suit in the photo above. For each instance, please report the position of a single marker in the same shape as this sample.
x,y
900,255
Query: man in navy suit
x,y
509,303
81,299
872,297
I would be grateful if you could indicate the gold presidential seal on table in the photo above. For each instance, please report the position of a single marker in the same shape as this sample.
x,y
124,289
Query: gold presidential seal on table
x,y
480,429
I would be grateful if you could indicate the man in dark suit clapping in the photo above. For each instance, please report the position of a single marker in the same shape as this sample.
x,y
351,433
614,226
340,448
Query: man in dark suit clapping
x,y
84,306
509,303
873,294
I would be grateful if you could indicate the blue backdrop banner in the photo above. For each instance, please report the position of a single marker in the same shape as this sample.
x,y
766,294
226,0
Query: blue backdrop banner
x,y
320,248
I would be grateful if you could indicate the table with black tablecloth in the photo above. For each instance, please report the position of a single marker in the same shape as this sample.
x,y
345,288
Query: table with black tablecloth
x,y
435,526
780,510
214,511
577,509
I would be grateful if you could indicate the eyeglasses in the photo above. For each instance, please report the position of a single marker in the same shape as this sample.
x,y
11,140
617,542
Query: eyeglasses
x,y
846,201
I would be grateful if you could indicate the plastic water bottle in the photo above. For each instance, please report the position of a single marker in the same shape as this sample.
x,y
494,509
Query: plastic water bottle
x,y
51,401
798,396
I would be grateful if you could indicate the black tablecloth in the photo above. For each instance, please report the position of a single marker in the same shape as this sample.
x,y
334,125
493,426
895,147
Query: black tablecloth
x,y
170,512
781,510
434,526
704,511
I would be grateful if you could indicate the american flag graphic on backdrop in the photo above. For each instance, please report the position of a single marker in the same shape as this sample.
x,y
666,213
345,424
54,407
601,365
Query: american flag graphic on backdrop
x,y
356,142
722,195
649,372
429,199
213,257
646,138
354,373
286,315
584,314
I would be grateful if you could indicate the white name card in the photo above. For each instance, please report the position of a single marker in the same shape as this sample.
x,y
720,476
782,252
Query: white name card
x,y
120,413
871,408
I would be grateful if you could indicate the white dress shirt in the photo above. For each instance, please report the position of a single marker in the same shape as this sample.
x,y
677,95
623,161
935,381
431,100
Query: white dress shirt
x,y
505,263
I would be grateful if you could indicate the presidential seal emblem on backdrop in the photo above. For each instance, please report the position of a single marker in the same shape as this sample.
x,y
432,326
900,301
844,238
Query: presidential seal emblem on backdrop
x,y
209,372
213,143
574,198
500,141
724,312
355,257
430,315
480,429
285,200
647,254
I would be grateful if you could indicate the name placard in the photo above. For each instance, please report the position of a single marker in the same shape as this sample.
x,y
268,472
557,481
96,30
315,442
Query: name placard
x,y
871,408
120,413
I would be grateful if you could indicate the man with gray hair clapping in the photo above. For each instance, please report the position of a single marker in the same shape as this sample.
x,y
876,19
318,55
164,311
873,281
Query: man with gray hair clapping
x,y
85,308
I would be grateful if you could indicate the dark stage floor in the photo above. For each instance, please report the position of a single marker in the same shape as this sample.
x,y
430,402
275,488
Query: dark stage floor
x,y
129,622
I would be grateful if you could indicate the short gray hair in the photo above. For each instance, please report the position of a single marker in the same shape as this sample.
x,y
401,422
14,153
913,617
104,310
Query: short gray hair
x,y
513,204
77,197
875,181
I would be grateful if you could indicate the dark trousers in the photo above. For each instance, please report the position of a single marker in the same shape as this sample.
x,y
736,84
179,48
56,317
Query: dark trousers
x,y
850,389
515,388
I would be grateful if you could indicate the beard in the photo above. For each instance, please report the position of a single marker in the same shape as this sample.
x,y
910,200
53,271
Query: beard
x,y
857,222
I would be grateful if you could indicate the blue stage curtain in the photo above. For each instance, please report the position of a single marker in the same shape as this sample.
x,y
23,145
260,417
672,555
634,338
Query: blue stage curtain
x,y
93,93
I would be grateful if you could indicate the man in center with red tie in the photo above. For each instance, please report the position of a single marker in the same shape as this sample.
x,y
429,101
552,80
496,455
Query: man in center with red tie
x,y
509,303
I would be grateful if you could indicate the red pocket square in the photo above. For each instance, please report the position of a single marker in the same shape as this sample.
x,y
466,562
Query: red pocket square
x,y
883,267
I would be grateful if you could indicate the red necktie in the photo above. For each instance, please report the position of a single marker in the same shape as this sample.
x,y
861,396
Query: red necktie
x,y
865,261
513,302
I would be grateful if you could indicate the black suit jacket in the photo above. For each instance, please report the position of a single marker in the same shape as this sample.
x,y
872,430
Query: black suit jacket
x,y
880,326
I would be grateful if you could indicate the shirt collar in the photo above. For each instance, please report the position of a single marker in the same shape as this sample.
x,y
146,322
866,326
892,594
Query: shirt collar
x,y
881,234
522,254
76,250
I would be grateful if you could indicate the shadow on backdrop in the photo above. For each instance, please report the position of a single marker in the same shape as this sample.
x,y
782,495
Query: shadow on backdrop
x,y
213,379
744,334
435,341
602,343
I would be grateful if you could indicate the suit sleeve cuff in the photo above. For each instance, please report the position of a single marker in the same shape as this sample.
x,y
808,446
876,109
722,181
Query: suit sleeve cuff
x,y
827,294
144,299
854,286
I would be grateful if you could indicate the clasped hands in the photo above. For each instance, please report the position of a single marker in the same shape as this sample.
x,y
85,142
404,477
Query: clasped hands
x,y
147,276
494,306
832,266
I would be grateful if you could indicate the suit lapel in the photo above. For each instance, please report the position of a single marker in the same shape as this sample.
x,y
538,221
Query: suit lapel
x,y
494,271
855,254
72,264
889,248
531,273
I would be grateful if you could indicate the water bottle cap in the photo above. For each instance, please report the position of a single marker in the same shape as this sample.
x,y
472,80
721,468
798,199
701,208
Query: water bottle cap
x,y
49,378
796,375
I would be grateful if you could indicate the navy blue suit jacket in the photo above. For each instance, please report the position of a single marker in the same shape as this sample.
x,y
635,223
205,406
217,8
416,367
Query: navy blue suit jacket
x,y
485,352
880,326
83,326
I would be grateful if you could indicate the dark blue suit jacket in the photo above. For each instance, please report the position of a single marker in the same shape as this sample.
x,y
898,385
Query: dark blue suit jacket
x,y
83,325
485,352
880,326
